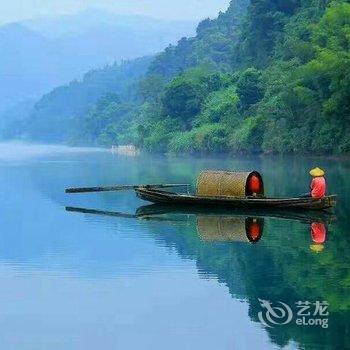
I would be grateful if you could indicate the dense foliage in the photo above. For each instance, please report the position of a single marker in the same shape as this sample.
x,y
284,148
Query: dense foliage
x,y
277,81
214,44
267,76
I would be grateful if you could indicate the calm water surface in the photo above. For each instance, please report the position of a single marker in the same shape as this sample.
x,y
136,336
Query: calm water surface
x,y
164,280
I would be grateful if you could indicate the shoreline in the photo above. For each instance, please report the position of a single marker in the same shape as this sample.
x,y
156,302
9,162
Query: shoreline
x,y
59,147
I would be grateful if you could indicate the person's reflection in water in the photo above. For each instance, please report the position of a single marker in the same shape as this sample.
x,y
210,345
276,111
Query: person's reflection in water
x,y
319,236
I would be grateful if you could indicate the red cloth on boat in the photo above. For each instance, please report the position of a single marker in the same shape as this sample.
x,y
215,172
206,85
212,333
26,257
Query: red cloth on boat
x,y
318,187
318,232
254,184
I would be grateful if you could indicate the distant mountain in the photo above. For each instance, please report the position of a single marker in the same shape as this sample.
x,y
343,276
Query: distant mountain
x,y
39,55
84,21
28,64
59,113
56,116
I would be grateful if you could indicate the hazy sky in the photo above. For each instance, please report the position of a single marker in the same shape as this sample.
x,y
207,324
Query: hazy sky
x,y
14,10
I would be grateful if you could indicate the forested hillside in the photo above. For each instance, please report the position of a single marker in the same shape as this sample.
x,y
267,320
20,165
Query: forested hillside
x,y
268,76
287,89
214,43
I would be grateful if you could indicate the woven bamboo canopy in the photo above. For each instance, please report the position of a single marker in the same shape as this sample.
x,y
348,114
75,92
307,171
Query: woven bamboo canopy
x,y
227,183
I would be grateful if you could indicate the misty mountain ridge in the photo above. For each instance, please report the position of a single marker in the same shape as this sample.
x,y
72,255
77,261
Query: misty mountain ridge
x,y
40,54
85,20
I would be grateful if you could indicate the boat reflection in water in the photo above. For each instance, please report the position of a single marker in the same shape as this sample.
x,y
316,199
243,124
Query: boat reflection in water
x,y
224,225
230,228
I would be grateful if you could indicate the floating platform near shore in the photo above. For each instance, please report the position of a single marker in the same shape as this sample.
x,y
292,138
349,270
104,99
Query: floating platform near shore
x,y
127,150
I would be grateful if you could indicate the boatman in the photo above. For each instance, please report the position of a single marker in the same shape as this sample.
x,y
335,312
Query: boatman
x,y
318,187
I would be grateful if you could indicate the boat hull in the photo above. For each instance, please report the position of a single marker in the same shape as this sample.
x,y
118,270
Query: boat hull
x,y
157,196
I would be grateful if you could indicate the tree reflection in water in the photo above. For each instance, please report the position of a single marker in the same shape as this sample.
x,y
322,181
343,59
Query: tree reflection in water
x,y
279,268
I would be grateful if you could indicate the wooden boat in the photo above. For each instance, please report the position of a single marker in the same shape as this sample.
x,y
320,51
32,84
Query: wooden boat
x,y
219,189
158,196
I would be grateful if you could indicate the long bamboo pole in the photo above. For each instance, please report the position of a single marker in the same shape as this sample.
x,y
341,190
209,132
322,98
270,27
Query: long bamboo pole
x,y
120,188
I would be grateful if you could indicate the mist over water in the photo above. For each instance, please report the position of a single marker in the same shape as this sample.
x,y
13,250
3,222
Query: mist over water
x,y
15,150
176,279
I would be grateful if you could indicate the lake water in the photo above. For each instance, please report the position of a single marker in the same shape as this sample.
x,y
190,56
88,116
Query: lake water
x,y
165,280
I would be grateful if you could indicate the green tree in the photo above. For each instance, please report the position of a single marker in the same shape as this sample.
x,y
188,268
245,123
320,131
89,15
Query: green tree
x,y
249,88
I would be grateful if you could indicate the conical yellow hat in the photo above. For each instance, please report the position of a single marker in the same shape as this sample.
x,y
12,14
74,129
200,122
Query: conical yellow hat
x,y
317,248
317,172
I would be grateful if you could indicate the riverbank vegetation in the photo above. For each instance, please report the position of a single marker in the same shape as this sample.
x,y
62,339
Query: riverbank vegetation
x,y
264,77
